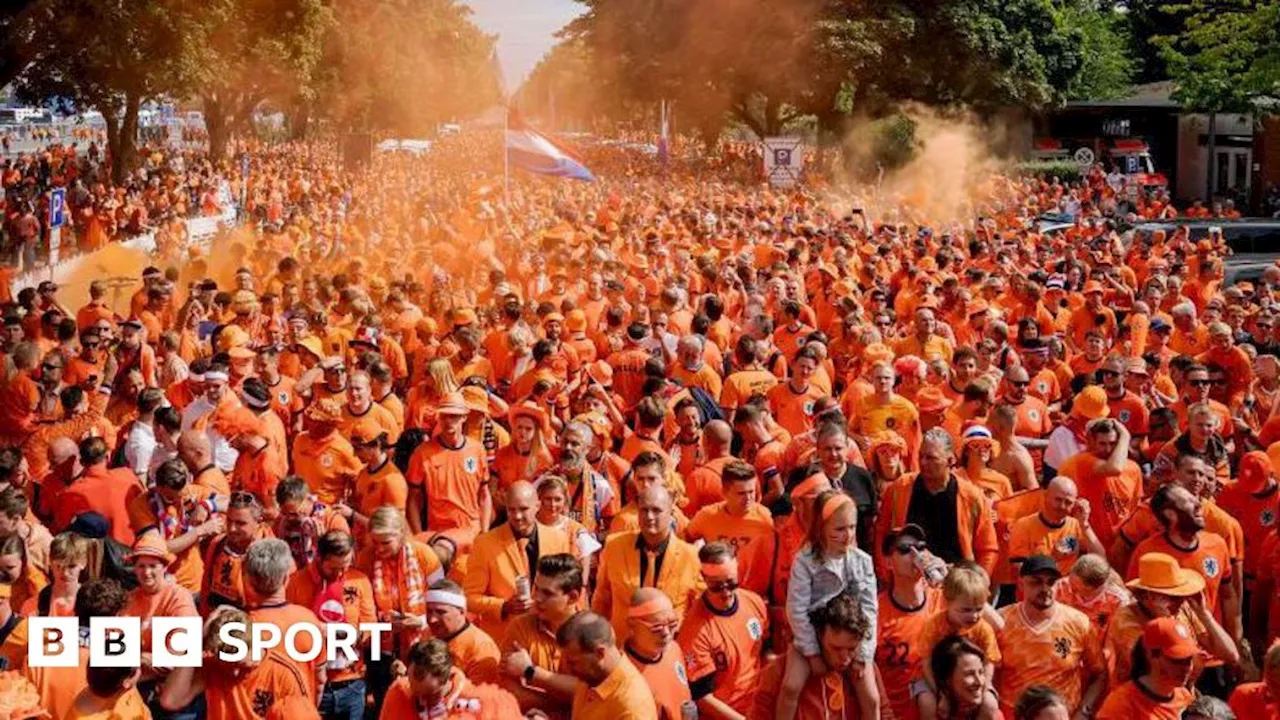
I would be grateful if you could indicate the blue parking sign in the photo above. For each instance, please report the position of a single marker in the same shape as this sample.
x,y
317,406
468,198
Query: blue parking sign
x,y
58,208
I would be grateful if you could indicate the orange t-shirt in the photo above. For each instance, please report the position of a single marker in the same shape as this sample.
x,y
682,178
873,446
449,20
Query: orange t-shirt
x,y
1209,558
173,600
794,410
752,536
285,616
451,479
87,706
58,686
1111,497
1033,535
357,605
741,385
475,652
1130,702
898,655
328,465
1061,652
938,627
377,487
703,486
822,697
728,645
189,566
1255,700
250,696
223,579
667,679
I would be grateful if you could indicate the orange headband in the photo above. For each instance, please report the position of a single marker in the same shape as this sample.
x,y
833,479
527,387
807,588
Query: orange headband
x,y
832,506
652,607
727,570
809,487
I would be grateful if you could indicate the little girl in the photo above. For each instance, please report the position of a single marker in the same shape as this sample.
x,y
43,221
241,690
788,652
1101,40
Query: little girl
x,y
830,564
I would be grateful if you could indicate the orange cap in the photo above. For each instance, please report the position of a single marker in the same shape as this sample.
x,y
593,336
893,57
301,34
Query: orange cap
x,y
1091,403
1170,638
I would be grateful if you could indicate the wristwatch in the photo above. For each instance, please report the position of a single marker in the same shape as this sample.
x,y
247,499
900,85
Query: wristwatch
x,y
529,672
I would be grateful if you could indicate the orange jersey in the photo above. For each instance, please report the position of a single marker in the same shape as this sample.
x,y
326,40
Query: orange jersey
x,y
1209,558
539,640
451,479
328,465
794,410
741,385
357,607
1061,652
475,653
189,567
624,695
727,646
752,536
223,580
1033,535
1256,513
1131,702
703,487
898,655
667,679
938,627
1111,497
823,697
1255,700
1100,605
285,616
375,487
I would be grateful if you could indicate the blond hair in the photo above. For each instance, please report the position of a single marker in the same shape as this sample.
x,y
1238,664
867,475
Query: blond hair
x,y
966,582
385,520
69,548
1093,570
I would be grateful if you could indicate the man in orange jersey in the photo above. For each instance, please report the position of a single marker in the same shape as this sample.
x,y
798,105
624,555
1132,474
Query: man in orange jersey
x,y
223,582
303,519
1184,539
764,446
742,522
435,687
450,470
651,557
106,492
504,562
474,650
1060,530
904,608
651,647
1044,642
841,627
531,660
792,402
702,486
182,515
337,593
724,637
361,408
1106,477
1161,692
267,566
610,687
692,369
883,409
1126,406
157,595
749,377
322,456
379,482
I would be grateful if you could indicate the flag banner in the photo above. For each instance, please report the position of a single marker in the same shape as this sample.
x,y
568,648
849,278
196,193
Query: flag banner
x,y
530,150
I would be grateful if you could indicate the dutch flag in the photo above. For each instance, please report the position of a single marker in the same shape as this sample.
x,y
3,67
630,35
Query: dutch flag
x,y
537,153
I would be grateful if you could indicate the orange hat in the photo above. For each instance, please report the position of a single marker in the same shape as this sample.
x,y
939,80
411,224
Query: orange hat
x,y
876,352
553,317
1091,404
887,440
151,545
532,411
1255,471
1170,638
312,345
575,321
325,410
238,422
601,372
453,404
232,336
1093,286
977,306
464,317
428,325
931,399
476,399
366,432
1161,573
599,424
241,353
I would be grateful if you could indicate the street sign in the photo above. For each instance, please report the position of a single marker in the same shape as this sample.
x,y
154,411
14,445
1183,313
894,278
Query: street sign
x,y
783,161
58,208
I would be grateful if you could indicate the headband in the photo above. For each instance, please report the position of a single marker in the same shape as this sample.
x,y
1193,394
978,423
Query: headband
x,y
216,375
652,607
255,403
809,487
196,377
831,507
727,570
445,597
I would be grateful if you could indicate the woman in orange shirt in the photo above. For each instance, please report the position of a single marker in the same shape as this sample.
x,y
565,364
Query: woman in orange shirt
x,y
527,455
15,570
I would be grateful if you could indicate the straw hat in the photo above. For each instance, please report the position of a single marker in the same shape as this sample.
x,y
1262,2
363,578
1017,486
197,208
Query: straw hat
x,y
453,404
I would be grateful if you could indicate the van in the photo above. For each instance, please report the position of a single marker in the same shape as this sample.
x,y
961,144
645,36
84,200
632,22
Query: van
x,y
1252,236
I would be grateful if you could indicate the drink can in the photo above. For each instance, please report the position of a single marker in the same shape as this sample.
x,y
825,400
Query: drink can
x,y
688,710
522,586
934,572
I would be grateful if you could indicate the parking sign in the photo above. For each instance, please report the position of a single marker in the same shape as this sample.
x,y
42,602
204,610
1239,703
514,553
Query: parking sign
x,y
58,208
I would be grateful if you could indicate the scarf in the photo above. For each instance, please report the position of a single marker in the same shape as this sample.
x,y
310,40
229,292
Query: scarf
x,y
177,524
410,596
302,535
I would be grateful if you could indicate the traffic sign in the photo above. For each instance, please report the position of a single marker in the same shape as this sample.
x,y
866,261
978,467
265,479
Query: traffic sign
x,y
58,208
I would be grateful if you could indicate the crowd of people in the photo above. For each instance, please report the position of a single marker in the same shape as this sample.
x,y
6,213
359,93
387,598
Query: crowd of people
x,y
668,445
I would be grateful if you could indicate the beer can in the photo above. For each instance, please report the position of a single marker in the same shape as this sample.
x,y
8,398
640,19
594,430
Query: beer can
x,y
688,710
522,586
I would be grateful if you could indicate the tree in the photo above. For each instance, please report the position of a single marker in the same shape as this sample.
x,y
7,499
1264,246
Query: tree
x,y
20,22
252,50
1107,70
112,56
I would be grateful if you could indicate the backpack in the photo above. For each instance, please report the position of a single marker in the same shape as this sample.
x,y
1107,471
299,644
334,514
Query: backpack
x,y
708,407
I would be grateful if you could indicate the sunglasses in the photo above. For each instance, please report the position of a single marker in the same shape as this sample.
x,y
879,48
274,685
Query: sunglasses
x,y
723,586
47,367
1020,383
1108,373
908,548
240,497
1200,383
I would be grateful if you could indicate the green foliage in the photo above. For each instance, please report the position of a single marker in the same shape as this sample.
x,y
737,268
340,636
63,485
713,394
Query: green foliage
x,y
1047,169
894,141
1228,56
1107,70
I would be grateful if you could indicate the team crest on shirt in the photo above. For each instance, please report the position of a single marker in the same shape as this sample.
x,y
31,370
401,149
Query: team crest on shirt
x,y
470,464
1068,545
1267,518
1061,647
262,702
681,673
754,628
283,398
808,408
1033,415
1124,416
326,461
1210,566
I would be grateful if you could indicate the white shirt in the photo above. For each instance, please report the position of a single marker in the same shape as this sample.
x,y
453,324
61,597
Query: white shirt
x,y
1062,445
224,456
139,448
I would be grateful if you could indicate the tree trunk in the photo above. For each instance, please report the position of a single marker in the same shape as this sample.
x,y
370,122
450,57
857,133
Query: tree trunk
x,y
215,121
298,120
126,146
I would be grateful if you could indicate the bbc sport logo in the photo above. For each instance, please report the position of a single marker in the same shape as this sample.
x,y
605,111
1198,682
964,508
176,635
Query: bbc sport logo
x,y
177,641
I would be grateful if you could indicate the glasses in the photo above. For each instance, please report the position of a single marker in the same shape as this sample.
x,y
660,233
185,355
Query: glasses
x,y
1020,383
47,367
723,586
1109,373
1200,383
908,548
240,498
